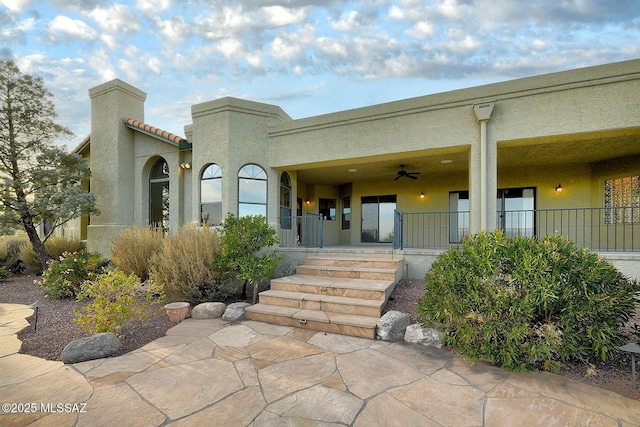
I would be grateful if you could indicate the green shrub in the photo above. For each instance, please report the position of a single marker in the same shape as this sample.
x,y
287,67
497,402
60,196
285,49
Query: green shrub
x,y
55,247
64,276
10,253
5,273
132,250
243,240
184,268
117,300
527,303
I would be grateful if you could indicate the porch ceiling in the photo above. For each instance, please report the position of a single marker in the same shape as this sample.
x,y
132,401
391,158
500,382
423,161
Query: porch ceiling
x,y
584,148
386,167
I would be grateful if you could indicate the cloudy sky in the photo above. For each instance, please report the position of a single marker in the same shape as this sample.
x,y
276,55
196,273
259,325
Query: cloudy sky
x,y
308,56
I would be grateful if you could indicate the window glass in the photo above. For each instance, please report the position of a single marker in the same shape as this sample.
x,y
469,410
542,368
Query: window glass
x,y
327,208
346,213
285,201
211,195
159,195
252,191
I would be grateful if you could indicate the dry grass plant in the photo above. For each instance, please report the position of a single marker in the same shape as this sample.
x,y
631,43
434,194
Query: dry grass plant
x,y
55,247
185,266
133,248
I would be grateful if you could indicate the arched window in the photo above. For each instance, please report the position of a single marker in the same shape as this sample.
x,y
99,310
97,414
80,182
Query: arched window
x,y
285,201
159,195
252,191
211,195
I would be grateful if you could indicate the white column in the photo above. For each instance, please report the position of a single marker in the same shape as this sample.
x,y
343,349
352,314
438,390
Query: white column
x,y
483,179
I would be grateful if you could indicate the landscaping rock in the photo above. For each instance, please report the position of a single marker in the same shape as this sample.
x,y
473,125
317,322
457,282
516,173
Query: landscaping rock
x,y
97,346
235,311
429,337
208,310
392,325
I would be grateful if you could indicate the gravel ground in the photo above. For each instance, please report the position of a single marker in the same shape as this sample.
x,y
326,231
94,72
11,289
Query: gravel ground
x,y
55,330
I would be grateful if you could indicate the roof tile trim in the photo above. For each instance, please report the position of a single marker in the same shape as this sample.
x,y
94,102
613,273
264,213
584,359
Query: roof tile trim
x,y
155,131
83,144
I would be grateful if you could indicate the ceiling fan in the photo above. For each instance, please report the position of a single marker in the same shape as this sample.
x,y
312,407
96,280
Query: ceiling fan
x,y
404,173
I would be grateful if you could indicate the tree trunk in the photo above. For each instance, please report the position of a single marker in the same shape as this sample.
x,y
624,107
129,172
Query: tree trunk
x,y
36,243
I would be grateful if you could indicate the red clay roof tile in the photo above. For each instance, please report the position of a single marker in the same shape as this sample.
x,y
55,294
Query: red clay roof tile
x,y
155,131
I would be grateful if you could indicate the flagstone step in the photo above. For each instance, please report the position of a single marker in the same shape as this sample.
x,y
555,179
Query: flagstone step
x,y
342,293
348,272
343,287
326,303
345,324
355,260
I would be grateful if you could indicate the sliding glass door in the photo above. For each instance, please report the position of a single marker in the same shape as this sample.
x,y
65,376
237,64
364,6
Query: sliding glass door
x,y
377,219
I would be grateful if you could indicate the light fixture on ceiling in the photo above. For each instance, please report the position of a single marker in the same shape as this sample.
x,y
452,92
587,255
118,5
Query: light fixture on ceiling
x,y
559,188
185,165
308,202
446,161
352,170
422,194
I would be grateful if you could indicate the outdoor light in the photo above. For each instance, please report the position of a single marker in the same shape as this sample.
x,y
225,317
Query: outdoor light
x,y
559,188
422,194
185,165
308,202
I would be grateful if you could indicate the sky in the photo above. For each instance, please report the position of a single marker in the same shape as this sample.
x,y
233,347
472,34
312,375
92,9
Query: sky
x,y
309,57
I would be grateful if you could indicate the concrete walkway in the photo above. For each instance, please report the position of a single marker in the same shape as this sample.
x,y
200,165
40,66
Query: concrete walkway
x,y
206,372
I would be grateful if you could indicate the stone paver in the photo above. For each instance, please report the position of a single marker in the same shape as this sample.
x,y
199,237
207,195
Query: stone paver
x,y
208,372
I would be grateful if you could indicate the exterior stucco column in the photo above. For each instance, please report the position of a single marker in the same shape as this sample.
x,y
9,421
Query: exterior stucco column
x,y
483,174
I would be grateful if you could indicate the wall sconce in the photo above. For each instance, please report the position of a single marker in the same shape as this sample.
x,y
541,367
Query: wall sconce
x,y
185,165
422,195
559,188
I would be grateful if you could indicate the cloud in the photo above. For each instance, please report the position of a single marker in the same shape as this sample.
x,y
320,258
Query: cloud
x,y
62,27
15,6
116,19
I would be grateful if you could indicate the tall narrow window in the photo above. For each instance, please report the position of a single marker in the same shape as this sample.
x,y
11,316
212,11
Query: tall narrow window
x,y
159,195
285,201
458,216
211,195
622,200
252,191
346,213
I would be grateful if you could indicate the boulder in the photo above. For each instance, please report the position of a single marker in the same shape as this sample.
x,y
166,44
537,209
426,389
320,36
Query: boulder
x,y
235,312
392,325
97,346
426,336
208,310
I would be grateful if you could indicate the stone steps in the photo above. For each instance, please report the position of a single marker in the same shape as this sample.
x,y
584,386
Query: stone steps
x,y
341,293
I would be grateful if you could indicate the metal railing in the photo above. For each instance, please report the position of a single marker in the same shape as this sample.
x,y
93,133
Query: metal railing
x,y
429,229
305,231
598,229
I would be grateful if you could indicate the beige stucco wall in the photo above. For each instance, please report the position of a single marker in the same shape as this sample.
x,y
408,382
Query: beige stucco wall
x,y
233,133
532,116
112,159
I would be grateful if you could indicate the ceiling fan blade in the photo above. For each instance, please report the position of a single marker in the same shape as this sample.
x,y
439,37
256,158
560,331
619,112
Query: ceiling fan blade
x,y
397,177
411,176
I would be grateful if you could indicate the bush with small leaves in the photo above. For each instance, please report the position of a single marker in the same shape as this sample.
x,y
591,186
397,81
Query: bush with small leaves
x,y
245,255
64,276
527,303
5,273
133,248
117,300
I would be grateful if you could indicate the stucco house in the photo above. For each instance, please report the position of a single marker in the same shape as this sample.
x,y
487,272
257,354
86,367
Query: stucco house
x,y
556,153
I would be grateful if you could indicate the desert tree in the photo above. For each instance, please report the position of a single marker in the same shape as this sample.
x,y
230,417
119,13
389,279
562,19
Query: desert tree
x,y
39,181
